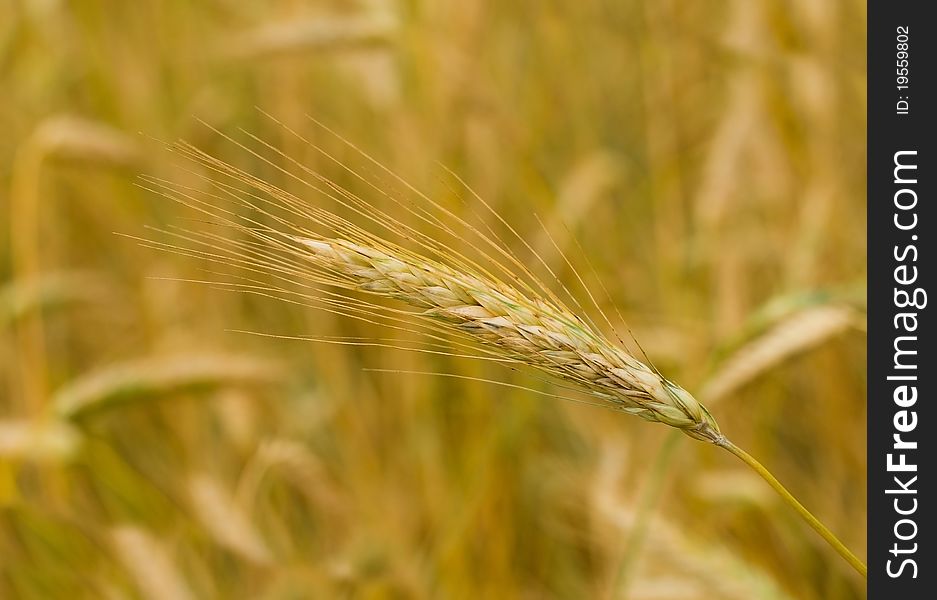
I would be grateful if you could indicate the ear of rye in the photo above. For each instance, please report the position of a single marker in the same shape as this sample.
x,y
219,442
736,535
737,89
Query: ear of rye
x,y
535,331
453,294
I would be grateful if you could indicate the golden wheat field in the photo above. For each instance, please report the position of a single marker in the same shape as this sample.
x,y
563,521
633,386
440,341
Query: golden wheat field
x,y
188,410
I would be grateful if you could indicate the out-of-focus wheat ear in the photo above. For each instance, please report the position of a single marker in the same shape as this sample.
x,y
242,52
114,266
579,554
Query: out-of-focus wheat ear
x,y
796,333
149,563
63,139
45,439
51,291
226,521
150,378
292,461
321,34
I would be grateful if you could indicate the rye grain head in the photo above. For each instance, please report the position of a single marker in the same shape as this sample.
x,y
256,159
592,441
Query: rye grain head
x,y
485,299
533,331
521,323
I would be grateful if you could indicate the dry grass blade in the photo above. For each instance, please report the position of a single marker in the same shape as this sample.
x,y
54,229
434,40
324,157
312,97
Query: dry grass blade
x,y
796,333
147,378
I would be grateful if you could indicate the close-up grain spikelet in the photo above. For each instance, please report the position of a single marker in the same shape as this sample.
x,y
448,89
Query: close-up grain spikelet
x,y
359,298
494,305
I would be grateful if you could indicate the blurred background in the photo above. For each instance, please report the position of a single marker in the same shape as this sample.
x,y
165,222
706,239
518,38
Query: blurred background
x,y
706,158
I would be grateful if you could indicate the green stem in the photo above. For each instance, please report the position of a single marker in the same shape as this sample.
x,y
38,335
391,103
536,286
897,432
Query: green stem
x,y
825,533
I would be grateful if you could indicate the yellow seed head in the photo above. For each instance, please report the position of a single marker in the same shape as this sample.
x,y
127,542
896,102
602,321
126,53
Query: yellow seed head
x,y
535,331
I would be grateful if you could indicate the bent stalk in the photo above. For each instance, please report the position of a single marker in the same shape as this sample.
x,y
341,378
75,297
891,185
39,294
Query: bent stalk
x,y
807,516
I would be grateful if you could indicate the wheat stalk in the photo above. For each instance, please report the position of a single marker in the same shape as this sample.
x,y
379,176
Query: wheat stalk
x,y
522,322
